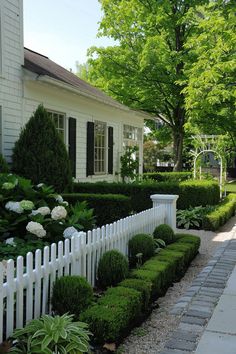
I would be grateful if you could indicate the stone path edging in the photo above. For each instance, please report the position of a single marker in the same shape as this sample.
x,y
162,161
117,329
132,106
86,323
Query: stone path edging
x,y
196,306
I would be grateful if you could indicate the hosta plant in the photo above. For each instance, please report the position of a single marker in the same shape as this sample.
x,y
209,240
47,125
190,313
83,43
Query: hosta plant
x,y
52,335
192,217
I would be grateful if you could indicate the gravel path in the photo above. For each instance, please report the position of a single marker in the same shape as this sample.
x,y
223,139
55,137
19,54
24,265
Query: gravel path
x,y
151,336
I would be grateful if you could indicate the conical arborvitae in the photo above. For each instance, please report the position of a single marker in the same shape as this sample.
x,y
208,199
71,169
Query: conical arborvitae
x,y
40,154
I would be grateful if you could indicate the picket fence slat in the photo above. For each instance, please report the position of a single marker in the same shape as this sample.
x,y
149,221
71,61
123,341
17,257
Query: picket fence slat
x,y
25,292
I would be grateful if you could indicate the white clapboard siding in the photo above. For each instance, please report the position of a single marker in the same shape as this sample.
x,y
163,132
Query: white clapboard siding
x,y
25,290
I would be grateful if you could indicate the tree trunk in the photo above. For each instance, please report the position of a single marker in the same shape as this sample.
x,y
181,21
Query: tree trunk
x,y
178,137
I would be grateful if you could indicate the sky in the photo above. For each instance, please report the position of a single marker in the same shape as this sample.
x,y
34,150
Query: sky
x,y
63,30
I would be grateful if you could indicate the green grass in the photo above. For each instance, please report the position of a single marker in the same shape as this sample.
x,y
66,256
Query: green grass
x,y
231,187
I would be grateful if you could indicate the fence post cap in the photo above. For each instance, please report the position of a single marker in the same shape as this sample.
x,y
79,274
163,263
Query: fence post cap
x,y
167,198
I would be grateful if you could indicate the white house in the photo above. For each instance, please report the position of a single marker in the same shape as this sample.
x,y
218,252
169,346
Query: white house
x,y
95,127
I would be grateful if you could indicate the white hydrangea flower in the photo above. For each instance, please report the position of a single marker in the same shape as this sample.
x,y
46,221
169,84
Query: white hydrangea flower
x,y
69,232
8,186
59,198
65,203
36,229
14,206
10,241
59,212
40,185
27,204
43,211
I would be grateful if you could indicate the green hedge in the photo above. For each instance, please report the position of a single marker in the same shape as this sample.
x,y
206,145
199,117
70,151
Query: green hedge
x,y
168,176
198,193
221,214
191,193
119,309
107,207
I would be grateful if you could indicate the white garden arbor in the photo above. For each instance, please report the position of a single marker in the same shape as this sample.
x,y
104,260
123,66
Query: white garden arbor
x,y
209,144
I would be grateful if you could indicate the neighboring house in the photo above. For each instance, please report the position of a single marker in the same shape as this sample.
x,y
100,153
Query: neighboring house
x,y
94,127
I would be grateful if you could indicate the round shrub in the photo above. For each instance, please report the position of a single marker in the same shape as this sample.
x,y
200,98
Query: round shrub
x,y
113,267
40,154
71,294
165,233
141,243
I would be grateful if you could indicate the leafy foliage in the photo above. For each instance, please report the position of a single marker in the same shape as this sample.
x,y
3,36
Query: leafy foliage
x,y
129,163
23,204
40,154
52,335
210,88
192,217
112,268
145,67
72,294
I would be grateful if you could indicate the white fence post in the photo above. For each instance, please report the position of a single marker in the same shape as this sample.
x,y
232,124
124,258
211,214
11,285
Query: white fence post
x,y
169,202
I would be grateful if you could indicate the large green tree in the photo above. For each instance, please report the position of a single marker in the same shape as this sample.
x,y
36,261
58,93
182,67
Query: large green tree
x,y
145,69
211,85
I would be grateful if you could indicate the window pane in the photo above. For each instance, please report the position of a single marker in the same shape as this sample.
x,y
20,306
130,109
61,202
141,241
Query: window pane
x,y
59,121
99,147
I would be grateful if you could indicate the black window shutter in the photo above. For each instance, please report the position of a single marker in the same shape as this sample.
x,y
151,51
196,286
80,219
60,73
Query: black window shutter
x,y
90,149
72,145
110,150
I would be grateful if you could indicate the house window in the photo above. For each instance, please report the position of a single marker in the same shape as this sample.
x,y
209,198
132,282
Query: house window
x,y
59,120
99,148
132,136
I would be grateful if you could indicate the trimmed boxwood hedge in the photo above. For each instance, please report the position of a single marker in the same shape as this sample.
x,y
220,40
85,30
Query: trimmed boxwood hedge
x,y
107,207
113,314
223,212
119,309
168,176
191,193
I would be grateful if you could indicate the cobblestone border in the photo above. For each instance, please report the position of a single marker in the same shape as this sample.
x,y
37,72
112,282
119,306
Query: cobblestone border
x,y
196,306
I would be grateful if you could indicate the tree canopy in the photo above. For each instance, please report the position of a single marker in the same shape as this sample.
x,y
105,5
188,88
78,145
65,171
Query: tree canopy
x,y
145,69
211,78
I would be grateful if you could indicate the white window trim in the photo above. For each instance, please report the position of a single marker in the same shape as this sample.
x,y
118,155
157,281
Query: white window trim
x,y
102,173
65,123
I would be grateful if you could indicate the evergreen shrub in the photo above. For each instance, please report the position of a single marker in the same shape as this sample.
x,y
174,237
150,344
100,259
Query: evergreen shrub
x,y
72,294
141,243
140,285
165,233
191,193
107,207
113,267
40,154
168,176
151,276
114,313
223,212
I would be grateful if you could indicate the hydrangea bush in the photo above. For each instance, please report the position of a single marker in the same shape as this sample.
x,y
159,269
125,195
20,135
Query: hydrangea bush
x,y
37,214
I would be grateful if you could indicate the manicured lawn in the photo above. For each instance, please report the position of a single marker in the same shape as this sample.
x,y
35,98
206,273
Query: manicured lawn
x,y
231,187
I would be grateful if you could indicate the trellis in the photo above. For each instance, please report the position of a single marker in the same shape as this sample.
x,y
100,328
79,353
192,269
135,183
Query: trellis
x,y
205,144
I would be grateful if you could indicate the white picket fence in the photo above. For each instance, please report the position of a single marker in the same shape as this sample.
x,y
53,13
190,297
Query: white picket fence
x,y
25,289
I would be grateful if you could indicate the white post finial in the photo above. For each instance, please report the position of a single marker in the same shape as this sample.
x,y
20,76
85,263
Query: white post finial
x,y
169,202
